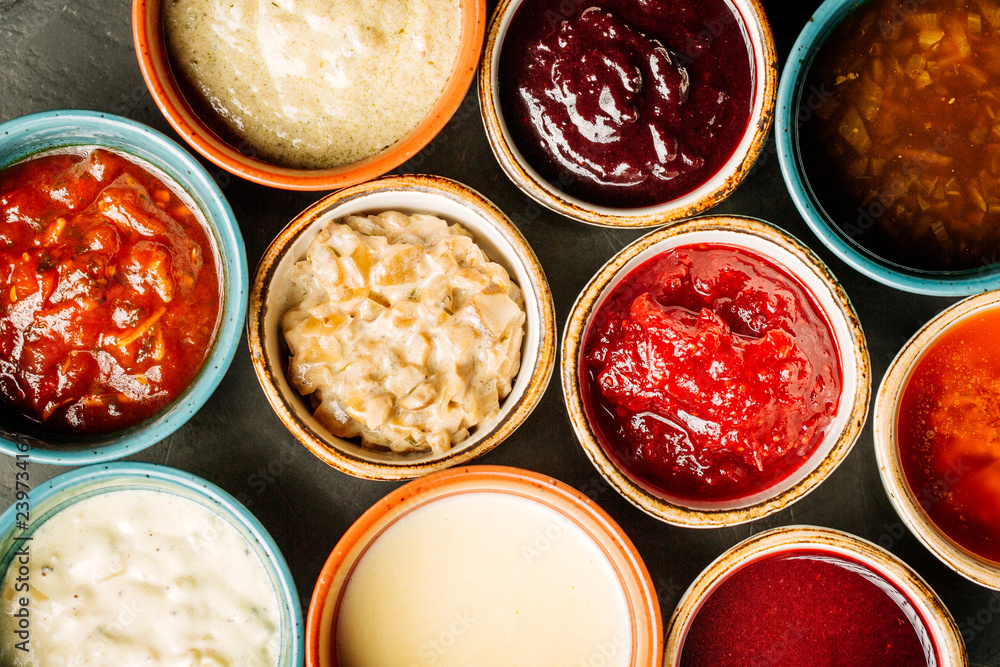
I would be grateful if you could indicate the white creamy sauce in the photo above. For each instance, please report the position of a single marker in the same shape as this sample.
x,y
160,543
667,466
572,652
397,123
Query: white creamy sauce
x,y
483,579
316,83
137,577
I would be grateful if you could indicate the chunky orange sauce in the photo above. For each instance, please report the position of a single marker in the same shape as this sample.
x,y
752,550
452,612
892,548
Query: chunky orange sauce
x,y
109,292
949,433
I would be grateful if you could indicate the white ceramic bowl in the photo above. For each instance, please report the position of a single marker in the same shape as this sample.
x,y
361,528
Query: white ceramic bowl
x,y
492,231
797,260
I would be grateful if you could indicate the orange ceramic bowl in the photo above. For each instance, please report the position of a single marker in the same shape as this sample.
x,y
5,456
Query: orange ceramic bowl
x,y
147,32
568,513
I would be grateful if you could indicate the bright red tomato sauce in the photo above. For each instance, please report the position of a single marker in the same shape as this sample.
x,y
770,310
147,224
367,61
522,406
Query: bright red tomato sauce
x,y
109,292
949,433
807,608
710,373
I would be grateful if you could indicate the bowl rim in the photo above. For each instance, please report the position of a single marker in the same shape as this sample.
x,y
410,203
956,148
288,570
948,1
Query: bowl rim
x,y
962,283
156,72
524,176
856,406
81,480
958,559
147,145
951,649
266,369
556,495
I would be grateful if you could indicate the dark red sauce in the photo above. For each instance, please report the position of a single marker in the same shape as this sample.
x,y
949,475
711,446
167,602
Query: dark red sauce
x,y
109,292
949,433
626,103
710,374
807,608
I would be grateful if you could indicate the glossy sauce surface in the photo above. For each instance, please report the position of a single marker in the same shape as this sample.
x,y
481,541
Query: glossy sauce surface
x,y
710,374
626,103
109,292
807,608
949,433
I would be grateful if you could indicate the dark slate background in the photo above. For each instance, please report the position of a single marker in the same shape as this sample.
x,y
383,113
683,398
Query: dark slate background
x,y
65,54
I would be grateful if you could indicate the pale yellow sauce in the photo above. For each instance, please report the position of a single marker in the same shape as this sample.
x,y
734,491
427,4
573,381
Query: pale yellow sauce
x,y
316,83
483,579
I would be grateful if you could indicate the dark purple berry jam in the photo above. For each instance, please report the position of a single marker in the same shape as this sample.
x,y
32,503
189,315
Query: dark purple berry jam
x,y
626,103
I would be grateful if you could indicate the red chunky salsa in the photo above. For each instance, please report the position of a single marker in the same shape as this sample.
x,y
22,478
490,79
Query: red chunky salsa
x,y
807,608
710,374
624,103
109,292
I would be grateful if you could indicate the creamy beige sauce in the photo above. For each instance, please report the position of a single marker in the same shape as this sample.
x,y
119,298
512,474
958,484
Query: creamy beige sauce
x,y
403,332
316,83
483,579
142,577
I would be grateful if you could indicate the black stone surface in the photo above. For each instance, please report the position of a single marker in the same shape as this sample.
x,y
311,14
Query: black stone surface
x,y
62,54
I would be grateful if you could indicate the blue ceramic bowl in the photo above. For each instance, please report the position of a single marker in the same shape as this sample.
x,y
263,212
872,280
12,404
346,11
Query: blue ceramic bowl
x,y
60,492
29,135
791,114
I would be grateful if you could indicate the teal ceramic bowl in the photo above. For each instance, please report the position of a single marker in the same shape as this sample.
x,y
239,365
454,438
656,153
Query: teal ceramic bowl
x,y
58,493
794,110
29,135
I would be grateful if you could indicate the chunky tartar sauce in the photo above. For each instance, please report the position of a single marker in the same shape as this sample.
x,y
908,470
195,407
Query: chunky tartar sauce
x,y
142,577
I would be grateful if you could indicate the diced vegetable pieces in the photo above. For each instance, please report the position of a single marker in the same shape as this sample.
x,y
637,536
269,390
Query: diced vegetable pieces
x,y
956,30
929,37
976,195
941,233
878,72
853,130
915,65
871,98
916,105
926,157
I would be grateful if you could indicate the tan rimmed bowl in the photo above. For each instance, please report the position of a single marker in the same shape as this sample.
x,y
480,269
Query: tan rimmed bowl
x,y
492,231
971,566
948,647
713,191
796,260
147,33
570,511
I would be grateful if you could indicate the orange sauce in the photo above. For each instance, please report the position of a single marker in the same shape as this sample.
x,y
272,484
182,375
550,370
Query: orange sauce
x,y
949,433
